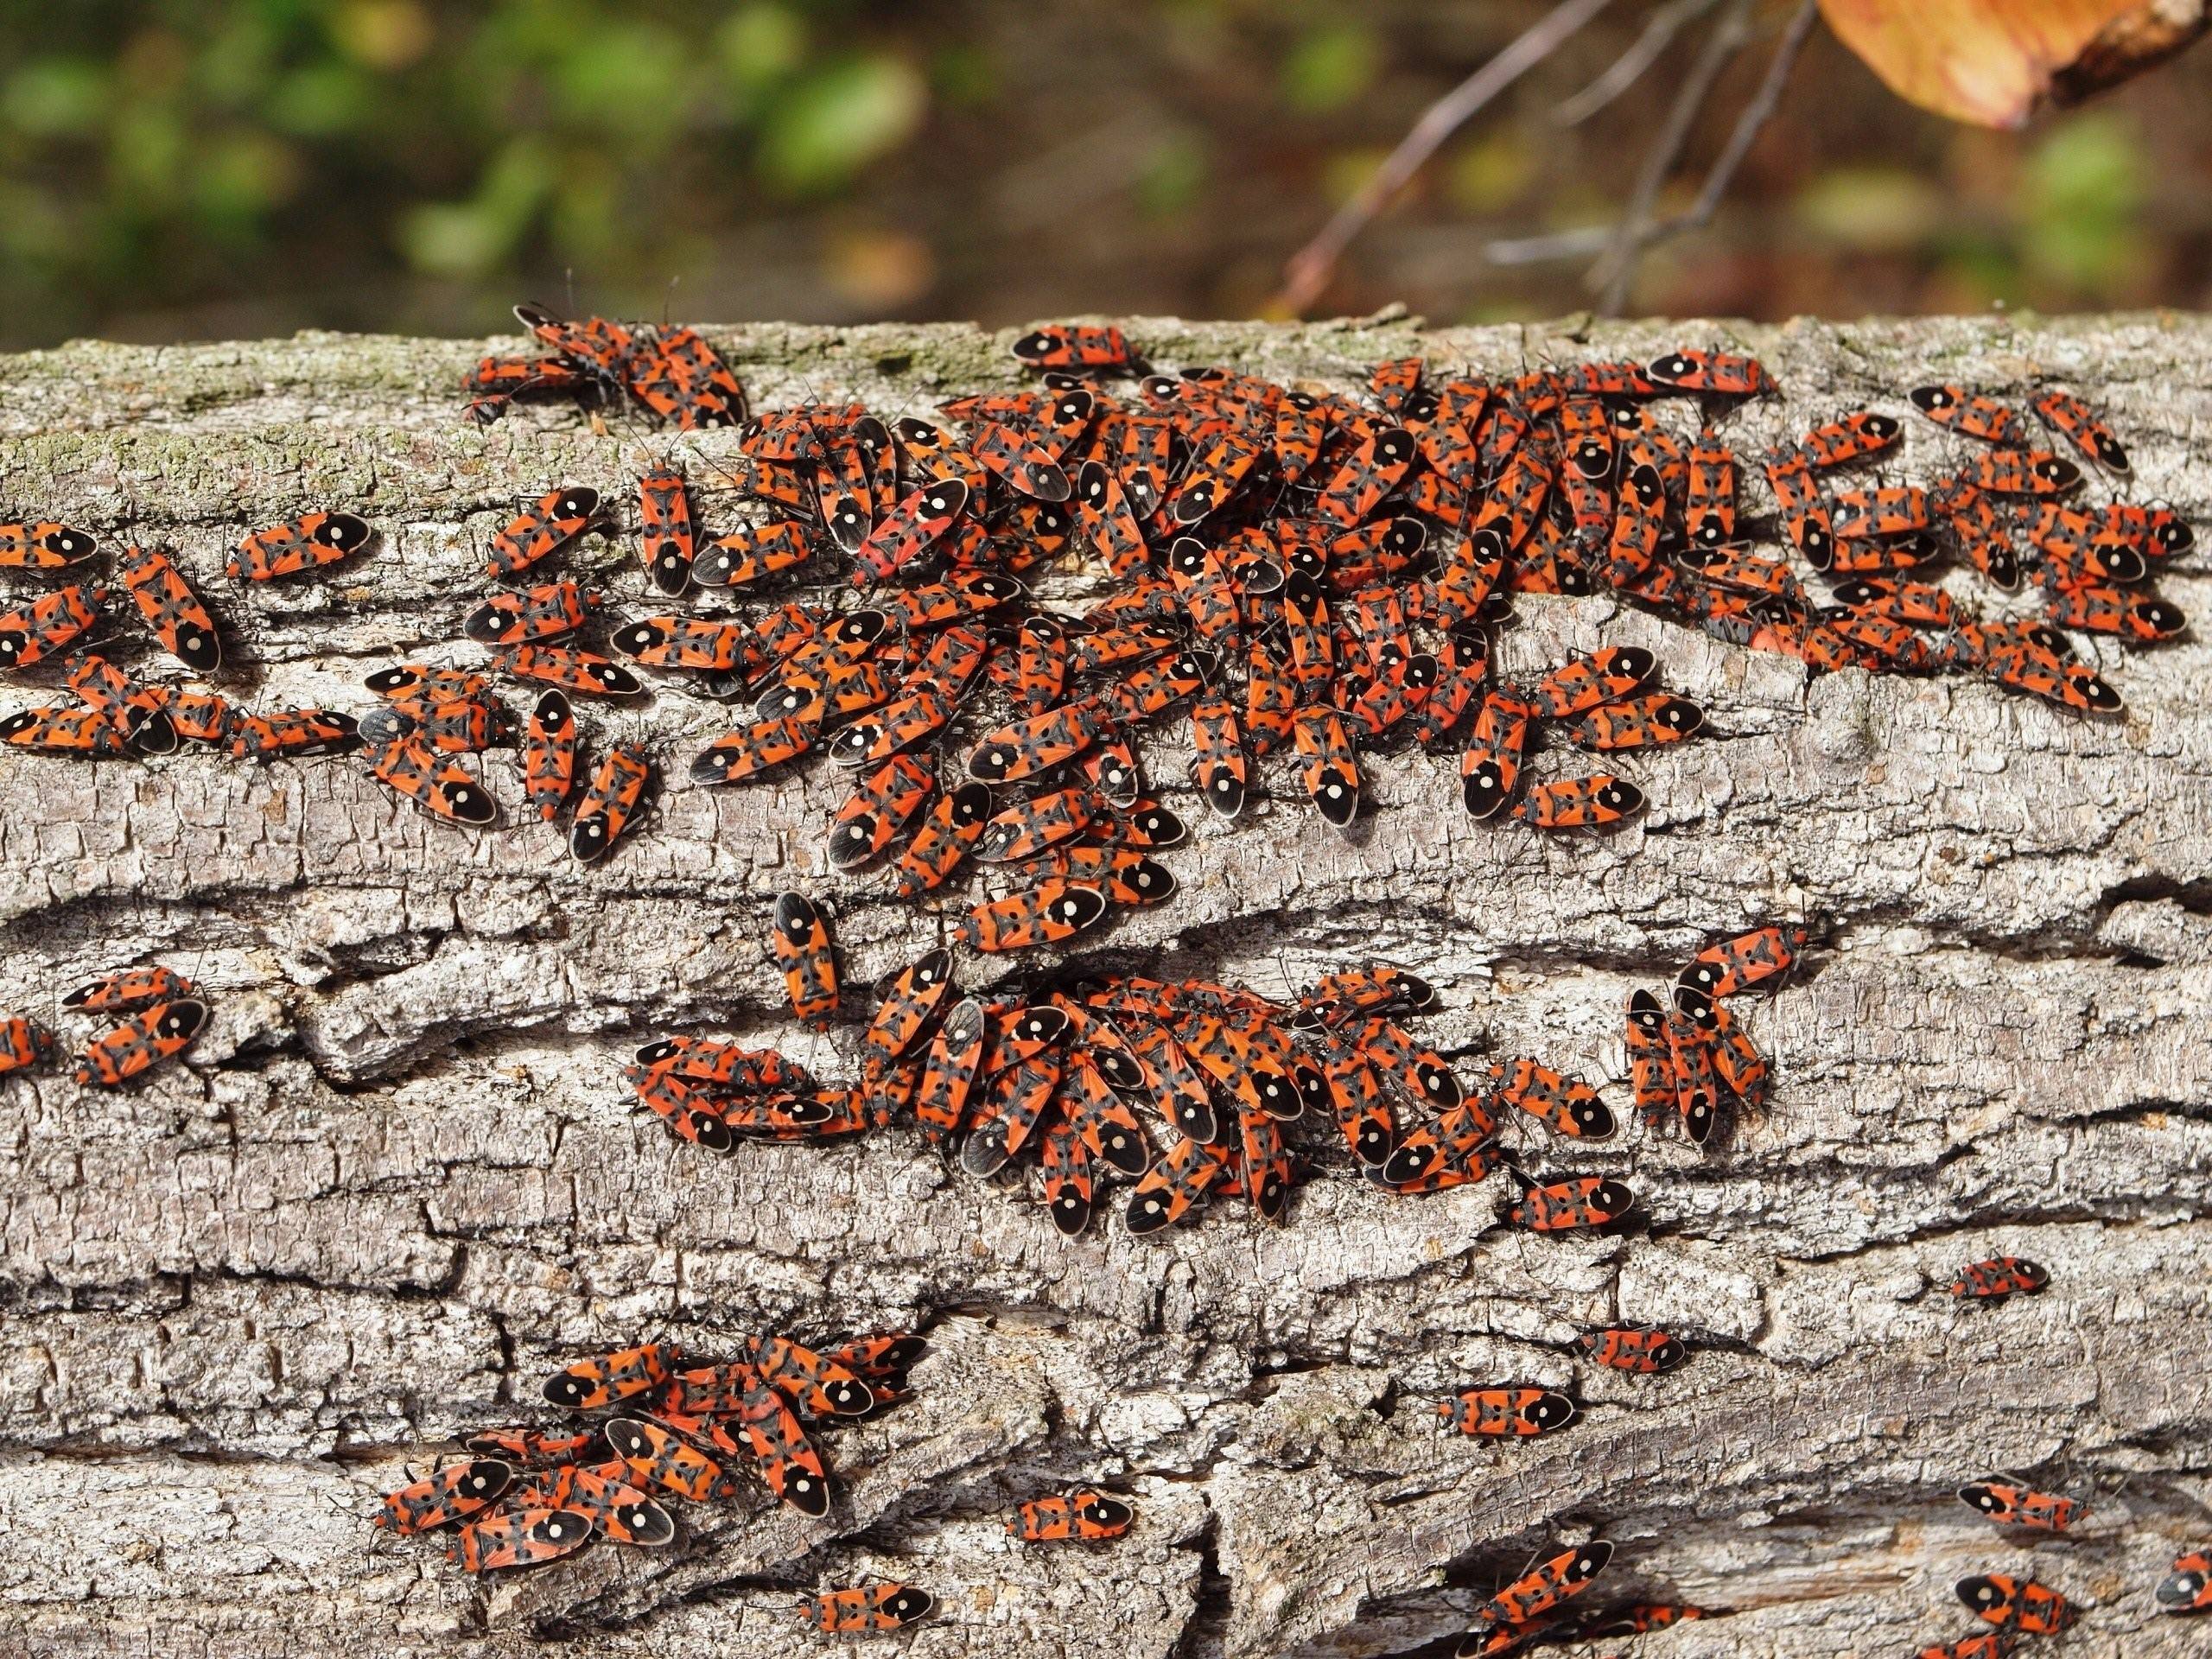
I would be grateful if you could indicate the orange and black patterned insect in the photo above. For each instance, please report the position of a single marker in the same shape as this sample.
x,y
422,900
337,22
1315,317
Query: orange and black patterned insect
x,y
2020,1604
1603,677
408,766
910,1006
23,1043
1331,773
313,539
680,377
131,988
744,556
877,810
1710,511
1645,722
1499,1413
1176,1183
1738,964
549,525
293,732
46,546
1075,345
135,712
1381,458
947,835
690,1113
805,957
2065,414
1718,373
453,1493
2022,472
618,1509
1038,744
1974,416
1086,1514
606,1378
1689,1054
115,1057
48,624
1805,519
875,1607
610,802
1854,437
667,542
2000,1276
74,730
701,644
2187,1588
2009,1504
520,1538
537,1448
1030,826
817,1384
1534,1595
549,755
1736,1058
1651,1066
172,610
787,1461
1593,803
1490,771
570,670
660,1456
754,749
1631,1348
1587,1201
910,530
1570,1106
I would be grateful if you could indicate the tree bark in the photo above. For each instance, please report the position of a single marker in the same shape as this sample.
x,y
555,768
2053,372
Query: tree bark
x,y
398,1180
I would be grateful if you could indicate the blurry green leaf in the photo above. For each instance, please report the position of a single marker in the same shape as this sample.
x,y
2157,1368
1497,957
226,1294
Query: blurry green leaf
x,y
585,213
55,98
2081,198
1329,67
1489,173
1173,174
964,75
384,34
837,120
630,77
238,180
1347,171
322,101
32,227
147,150
466,239
760,45
1873,208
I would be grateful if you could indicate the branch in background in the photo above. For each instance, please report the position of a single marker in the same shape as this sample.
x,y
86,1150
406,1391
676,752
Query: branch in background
x,y
1615,268
1309,270
1658,34
1588,239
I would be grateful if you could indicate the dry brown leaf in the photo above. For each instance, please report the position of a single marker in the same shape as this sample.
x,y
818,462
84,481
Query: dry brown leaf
x,y
1986,61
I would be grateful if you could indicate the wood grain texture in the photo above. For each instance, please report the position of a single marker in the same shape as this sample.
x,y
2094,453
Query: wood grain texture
x,y
399,1179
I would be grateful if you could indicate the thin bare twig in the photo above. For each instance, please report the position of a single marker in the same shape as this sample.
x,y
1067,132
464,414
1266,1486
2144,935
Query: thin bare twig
x,y
1756,115
1589,239
1615,268
1666,22
1310,268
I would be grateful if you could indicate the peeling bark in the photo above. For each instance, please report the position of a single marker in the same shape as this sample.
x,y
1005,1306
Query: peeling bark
x,y
397,1182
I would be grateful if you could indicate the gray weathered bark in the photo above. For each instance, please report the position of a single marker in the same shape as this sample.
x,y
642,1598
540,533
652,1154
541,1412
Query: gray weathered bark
x,y
398,1180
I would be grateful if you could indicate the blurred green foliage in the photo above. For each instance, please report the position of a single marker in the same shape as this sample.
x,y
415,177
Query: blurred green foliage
x,y
155,151
181,167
